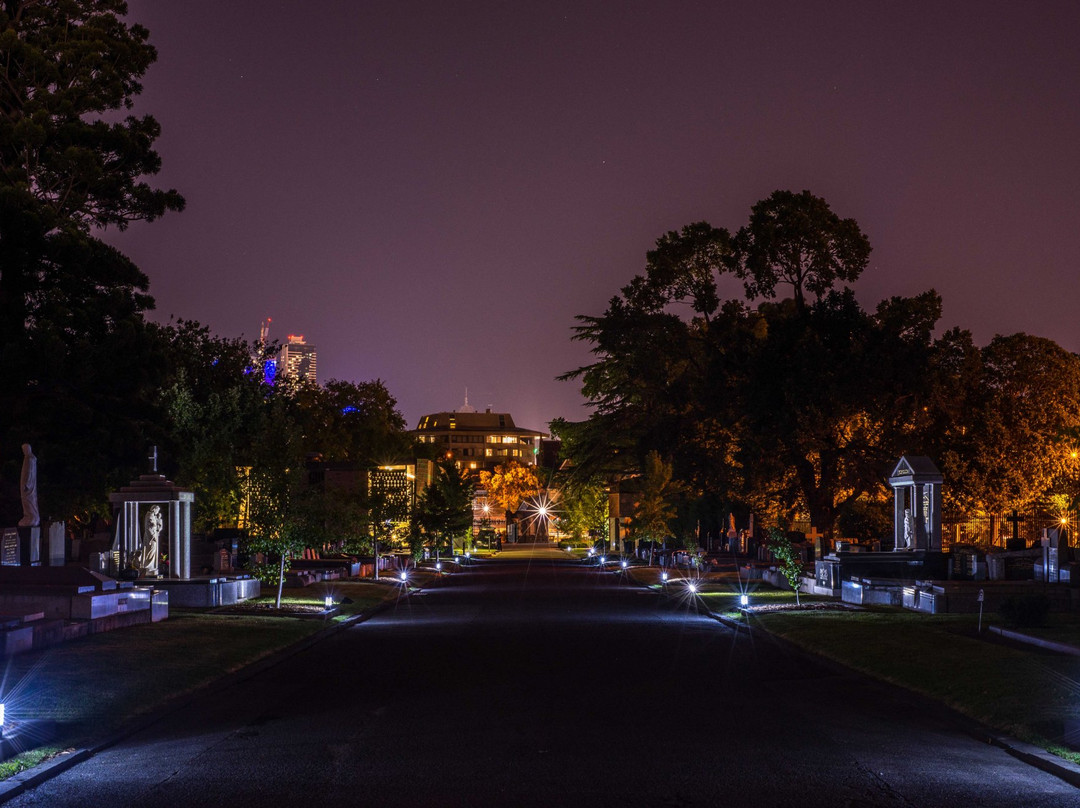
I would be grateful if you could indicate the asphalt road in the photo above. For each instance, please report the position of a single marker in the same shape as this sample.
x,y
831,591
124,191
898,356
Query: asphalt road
x,y
533,682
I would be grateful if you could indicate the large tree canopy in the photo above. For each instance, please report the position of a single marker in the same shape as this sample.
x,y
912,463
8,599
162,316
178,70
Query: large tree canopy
x,y
66,167
801,406
78,362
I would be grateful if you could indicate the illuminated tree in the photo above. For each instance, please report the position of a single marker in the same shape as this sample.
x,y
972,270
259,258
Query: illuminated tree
x,y
654,509
583,507
1011,407
509,484
790,565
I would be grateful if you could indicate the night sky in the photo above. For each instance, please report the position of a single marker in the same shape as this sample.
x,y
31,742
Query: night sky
x,y
430,192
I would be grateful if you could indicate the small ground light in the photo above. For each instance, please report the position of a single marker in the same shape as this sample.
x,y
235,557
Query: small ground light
x,y
624,565
468,554
329,601
404,576
664,577
602,559
591,551
693,589
1,719
438,565
744,600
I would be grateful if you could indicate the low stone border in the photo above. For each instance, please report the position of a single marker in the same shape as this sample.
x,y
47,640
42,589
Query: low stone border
x,y
1049,645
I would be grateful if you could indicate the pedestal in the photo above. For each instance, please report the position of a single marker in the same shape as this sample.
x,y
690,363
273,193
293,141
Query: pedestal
x,y
30,546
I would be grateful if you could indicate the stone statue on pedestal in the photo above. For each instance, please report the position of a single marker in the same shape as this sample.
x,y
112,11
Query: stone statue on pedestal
x,y
28,489
145,558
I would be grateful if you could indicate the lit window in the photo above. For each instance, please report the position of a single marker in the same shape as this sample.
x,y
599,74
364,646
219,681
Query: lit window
x,y
487,452
509,439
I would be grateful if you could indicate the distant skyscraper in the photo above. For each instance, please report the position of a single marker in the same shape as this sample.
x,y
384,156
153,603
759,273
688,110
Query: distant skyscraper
x,y
298,360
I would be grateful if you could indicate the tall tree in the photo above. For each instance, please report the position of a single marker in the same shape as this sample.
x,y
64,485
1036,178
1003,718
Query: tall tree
x,y
68,168
1009,410
777,408
796,240
583,506
216,413
655,508
444,510
351,421
65,169
832,398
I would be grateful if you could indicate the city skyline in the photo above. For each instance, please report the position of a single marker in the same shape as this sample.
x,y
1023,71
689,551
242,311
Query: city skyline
x,y
442,189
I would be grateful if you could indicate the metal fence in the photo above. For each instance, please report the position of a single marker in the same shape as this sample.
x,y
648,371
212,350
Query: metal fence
x,y
995,531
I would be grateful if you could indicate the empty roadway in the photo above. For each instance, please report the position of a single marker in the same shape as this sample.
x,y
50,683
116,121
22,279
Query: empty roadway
x,y
534,681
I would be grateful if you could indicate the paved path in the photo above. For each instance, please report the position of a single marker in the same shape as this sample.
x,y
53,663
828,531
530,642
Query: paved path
x,y
532,682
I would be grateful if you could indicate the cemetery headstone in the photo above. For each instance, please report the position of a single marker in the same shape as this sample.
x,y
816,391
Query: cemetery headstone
x,y
9,547
55,546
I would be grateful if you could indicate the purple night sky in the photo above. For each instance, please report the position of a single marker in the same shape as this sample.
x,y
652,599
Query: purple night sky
x,y
430,191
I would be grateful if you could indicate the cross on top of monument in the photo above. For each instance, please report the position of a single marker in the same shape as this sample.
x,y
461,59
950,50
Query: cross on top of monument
x,y
152,457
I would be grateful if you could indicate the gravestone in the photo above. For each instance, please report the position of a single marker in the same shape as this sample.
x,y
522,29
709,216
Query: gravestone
x,y
9,547
30,546
1055,554
57,556
1016,542
819,542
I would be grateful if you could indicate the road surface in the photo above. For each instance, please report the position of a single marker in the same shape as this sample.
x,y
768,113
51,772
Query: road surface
x,y
530,681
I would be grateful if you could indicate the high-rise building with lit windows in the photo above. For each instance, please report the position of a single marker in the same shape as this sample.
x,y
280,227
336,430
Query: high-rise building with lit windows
x,y
298,359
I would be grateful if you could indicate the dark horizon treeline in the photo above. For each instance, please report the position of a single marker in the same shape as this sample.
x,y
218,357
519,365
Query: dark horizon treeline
x,y
799,407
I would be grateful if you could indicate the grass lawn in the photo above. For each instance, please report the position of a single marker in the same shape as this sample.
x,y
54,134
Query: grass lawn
x,y
724,598
1024,692
363,594
91,686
